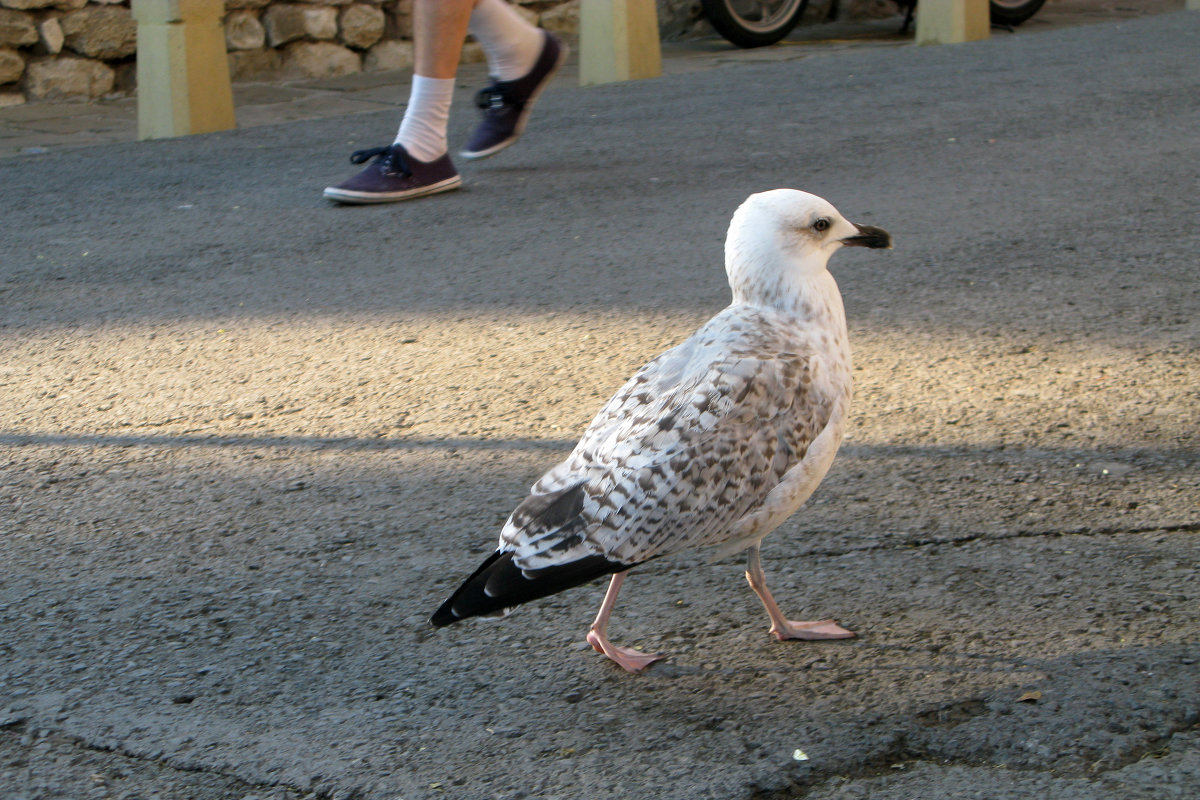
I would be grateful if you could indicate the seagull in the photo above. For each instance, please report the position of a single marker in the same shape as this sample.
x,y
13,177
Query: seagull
x,y
714,443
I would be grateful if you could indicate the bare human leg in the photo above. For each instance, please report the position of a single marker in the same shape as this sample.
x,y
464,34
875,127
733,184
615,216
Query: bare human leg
x,y
439,30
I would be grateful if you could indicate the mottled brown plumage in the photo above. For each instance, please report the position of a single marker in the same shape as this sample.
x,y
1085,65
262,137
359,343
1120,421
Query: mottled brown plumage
x,y
714,442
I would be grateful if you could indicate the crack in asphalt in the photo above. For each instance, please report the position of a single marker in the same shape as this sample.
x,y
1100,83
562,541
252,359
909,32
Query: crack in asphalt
x,y
905,748
1190,722
15,728
347,443
848,450
1024,533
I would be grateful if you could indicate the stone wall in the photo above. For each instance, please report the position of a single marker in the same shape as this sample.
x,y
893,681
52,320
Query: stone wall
x,y
54,49
267,39
64,48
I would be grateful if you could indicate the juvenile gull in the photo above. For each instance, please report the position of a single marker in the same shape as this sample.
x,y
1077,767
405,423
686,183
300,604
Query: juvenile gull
x,y
715,442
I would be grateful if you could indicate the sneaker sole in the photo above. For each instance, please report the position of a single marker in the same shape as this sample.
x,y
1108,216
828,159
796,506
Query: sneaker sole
x,y
475,155
349,197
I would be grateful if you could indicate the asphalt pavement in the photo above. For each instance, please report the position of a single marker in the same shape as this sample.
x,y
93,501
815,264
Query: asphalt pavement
x,y
252,440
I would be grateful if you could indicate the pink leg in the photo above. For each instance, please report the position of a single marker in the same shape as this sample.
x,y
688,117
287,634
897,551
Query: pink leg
x,y
630,660
782,627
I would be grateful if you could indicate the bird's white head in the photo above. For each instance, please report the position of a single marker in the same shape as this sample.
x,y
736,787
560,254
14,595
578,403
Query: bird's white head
x,y
780,241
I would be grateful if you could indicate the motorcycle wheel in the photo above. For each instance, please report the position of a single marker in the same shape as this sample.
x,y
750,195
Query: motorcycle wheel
x,y
754,23
1013,12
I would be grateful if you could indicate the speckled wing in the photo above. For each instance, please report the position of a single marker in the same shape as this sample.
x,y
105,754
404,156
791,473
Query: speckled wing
x,y
687,447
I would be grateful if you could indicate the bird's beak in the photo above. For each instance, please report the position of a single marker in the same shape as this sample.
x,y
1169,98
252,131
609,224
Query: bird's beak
x,y
869,236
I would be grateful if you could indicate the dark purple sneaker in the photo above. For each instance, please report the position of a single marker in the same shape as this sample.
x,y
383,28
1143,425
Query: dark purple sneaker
x,y
394,175
506,104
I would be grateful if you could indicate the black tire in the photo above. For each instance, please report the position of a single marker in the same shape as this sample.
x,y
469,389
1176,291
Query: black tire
x,y
1013,12
754,23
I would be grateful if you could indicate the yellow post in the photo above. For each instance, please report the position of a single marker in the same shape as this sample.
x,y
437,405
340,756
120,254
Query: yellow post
x,y
618,41
949,21
182,70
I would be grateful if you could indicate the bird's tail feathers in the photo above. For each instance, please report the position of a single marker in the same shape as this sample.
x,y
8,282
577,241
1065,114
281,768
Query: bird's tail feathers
x,y
499,585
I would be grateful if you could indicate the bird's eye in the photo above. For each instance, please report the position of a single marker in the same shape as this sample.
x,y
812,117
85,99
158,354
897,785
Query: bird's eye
x,y
821,225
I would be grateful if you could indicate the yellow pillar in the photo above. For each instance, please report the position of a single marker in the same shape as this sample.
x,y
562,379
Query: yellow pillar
x,y
949,21
618,41
182,70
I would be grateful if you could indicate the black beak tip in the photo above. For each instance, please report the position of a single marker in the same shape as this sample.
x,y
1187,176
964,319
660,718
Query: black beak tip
x,y
869,236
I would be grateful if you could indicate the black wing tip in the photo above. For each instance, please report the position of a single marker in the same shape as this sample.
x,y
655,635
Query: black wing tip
x,y
499,585
445,616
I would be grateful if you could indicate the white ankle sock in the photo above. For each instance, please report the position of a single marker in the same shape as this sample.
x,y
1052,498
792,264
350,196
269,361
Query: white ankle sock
x,y
510,43
423,129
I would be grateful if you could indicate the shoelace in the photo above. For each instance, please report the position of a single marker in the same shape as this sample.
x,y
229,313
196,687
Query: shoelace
x,y
391,158
498,95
